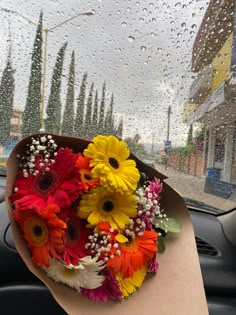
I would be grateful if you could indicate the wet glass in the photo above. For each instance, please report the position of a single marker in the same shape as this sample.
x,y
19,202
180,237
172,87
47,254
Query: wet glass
x,y
158,74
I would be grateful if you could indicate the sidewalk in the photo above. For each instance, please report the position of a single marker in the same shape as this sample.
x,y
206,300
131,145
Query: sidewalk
x,y
193,188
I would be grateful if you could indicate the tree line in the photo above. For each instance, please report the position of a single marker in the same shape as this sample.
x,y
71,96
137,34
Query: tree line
x,y
85,117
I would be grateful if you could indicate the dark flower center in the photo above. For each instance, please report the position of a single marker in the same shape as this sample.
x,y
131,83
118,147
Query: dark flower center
x,y
87,177
71,231
45,182
38,231
108,206
114,163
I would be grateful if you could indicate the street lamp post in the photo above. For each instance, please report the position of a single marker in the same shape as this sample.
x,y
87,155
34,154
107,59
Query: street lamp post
x,y
46,31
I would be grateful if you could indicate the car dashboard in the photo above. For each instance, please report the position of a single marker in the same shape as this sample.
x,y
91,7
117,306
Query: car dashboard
x,y
20,289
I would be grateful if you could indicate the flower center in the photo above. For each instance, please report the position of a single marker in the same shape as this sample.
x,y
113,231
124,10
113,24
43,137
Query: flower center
x,y
37,230
45,182
108,206
114,163
87,177
71,231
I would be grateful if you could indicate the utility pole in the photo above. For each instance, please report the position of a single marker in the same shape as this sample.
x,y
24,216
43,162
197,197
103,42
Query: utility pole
x,y
168,123
152,150
167,142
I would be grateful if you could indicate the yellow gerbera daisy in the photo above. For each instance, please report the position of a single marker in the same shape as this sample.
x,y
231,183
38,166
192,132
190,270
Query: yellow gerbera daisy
x,y
100,205
109,161
130,285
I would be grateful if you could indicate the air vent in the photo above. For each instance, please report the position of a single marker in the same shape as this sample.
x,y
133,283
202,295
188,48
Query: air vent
x,y
204,248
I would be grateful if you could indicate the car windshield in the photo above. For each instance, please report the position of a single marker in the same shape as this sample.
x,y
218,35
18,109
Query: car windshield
x,y
161,75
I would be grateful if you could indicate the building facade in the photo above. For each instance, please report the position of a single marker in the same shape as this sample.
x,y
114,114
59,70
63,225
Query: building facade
x,y
212,97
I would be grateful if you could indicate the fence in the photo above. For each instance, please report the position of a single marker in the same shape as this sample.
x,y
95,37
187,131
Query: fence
x,y
191,163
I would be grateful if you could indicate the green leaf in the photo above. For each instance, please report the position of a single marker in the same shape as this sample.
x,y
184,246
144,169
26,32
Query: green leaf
x,y
161,245
142,179
169,224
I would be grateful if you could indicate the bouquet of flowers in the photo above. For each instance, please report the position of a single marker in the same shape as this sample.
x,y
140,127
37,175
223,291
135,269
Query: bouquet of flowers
x,y
91,219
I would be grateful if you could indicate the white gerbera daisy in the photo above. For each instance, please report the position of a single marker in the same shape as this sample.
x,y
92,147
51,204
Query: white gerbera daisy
x,y
85,275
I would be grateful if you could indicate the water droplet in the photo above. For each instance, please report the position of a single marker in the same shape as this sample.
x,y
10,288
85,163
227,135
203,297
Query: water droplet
x,y
159,49
141,20
143,48
178,4
183,24
131,39
123,24
194,26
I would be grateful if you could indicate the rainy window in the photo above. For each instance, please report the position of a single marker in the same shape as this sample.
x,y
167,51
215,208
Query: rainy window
x,y
160,75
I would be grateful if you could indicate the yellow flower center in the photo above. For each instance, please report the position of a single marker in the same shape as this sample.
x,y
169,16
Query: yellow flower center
x,y
69,273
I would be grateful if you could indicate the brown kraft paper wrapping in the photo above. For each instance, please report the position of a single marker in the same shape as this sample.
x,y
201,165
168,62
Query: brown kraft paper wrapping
x,y
176,289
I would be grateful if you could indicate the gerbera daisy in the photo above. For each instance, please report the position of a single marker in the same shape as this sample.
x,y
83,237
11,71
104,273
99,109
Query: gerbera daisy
x,y
85,275
43,232
109,290
130,285
135,253
100,205
59,184
75,238
109,157
87,180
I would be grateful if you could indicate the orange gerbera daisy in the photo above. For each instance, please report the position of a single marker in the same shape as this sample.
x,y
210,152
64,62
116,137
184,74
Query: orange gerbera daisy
x,y
135,253
87,180
43,232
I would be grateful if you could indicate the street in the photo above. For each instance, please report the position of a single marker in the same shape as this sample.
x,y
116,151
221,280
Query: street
x,y
193,187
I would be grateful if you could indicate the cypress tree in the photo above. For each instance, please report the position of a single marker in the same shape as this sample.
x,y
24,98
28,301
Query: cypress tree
x,y
31,115
68,117
95,116
79,120
53,121
119,132
7,88
101,121
190,135
88,115
110,118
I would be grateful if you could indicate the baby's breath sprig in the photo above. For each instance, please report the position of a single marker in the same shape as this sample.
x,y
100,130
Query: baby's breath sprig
x,y
39,155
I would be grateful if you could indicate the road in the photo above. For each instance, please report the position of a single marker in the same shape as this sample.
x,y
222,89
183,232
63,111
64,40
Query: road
x,y
193,187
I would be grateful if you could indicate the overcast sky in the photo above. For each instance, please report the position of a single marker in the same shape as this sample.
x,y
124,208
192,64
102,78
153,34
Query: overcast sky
x,y
141,48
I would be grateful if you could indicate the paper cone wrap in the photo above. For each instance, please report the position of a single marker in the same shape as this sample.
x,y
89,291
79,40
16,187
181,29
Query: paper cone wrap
x,y
176,288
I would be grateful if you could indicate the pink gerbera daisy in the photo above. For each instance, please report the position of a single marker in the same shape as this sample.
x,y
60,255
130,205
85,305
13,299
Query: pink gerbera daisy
x,y
109,290
58,184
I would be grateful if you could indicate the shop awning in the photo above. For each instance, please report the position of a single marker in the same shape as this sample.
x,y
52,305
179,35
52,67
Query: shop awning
x,y
214,100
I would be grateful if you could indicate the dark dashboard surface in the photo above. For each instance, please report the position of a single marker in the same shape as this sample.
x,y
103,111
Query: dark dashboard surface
x,y
20,290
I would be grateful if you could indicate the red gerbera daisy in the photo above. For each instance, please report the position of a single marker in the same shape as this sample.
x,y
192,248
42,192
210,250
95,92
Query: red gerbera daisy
x,y
43,232
75,238
134,254
87,180
59,184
